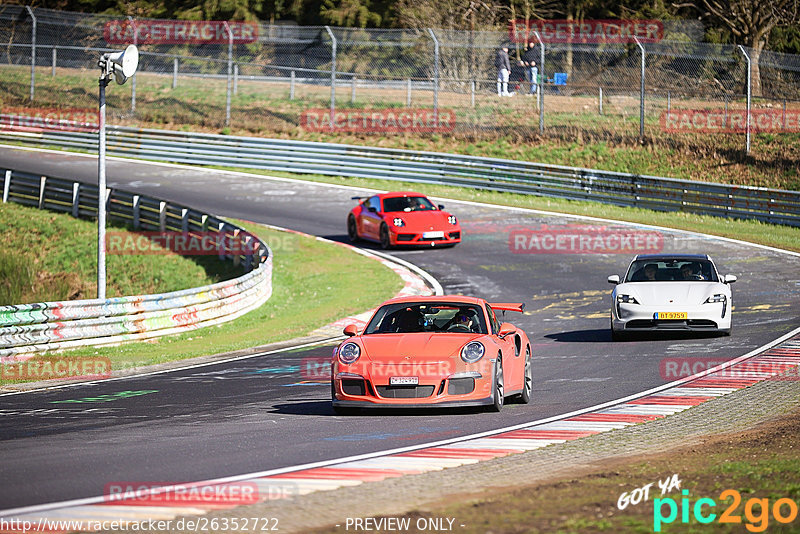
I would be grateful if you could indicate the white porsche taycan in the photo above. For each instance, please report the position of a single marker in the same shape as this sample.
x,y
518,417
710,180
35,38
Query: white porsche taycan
x,y
671,292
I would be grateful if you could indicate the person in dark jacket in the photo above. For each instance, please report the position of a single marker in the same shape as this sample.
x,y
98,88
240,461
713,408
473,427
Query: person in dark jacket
x,y
531,70
503,65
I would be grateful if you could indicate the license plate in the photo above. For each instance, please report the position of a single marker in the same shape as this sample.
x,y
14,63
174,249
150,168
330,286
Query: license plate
x,y
670,315
404,381
432,235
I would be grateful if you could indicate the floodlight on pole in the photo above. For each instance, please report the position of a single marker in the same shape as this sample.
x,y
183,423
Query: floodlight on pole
x,y
122,65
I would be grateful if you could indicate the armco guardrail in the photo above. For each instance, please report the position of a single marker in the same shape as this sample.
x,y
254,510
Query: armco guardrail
x,y
31,328
652,192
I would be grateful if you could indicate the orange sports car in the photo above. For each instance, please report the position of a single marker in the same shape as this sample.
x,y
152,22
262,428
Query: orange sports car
x,y
435,351
403,218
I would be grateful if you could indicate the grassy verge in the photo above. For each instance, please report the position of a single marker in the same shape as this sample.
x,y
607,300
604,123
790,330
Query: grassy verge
x,y
314,284
47,256
761,463
756,232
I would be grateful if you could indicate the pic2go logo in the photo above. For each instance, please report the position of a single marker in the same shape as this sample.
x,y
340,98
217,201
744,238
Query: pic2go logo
x,y
756,511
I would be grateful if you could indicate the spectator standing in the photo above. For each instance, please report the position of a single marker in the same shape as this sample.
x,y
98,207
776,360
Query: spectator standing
x,y
503,65
531,70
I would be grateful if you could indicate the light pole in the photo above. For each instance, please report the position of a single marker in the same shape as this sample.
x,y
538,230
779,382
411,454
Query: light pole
x,y
122,65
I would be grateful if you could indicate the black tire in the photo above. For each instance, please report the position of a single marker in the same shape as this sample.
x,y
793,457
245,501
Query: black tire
x,y
617,335
499,387
384,234
527,386
352,229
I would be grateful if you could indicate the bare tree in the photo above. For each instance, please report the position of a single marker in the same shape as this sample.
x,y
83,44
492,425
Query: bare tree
x,y
751,22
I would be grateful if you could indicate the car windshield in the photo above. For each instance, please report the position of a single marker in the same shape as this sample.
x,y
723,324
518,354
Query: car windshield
x,y
406,318
671,270
407,204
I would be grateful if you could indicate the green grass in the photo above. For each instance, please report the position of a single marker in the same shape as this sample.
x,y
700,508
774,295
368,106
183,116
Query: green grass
x,y
784,237
48,256
314,284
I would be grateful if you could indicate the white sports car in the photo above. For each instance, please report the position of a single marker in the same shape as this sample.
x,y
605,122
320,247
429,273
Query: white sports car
x,y
671,292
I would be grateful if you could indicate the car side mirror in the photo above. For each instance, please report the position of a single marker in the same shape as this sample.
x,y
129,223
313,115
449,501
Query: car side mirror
x,y
372,209
729,279
613,279
350,330
506,329
441,207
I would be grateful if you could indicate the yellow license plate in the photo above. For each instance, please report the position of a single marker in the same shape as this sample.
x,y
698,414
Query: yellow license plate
x,y
670,315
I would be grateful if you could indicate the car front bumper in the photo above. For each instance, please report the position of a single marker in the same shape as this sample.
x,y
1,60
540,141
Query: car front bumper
x,y
705,317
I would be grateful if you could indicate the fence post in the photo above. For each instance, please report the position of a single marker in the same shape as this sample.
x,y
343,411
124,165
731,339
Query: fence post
x,y
333,76
133,78
175,72
435,77
185,220
76,199
540,86
230,69
33,50
408,93
472,93
641,91
600,100
236,79
747,138
291,86
42,185
353,89
669,103
55,56
162,216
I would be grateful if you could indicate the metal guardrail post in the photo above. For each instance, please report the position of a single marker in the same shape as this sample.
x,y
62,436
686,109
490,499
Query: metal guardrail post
x,y
749,70
641,91
6,186
542,78
435,77
230,69
333,76
236,79
76,199
133,78
175,72
291,86
33,50
55,58
353,89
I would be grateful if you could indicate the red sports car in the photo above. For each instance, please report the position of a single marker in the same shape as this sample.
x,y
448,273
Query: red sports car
x,y
403,218
435,351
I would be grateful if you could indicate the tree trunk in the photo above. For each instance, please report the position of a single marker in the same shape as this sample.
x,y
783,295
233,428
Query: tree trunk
x,y
755,73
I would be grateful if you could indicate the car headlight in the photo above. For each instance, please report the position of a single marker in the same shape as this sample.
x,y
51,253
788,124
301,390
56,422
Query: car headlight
x,y
452,219
472,352
349,353
716,298
626,299
399,222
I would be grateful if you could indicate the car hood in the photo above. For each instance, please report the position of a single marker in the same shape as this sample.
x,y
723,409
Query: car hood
x,y
673,293
422,220
419,347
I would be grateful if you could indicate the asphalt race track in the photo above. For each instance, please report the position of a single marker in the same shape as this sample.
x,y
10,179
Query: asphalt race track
x,y
262,413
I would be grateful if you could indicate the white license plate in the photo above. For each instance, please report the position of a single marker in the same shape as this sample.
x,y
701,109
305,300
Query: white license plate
x,y
404,381
432,235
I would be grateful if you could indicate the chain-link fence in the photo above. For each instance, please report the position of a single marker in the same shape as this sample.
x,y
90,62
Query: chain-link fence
x,y
272,79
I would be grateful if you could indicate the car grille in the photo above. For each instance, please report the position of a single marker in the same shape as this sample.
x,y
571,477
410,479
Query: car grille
x,y
405,237
679,324
433,239
460,386
353,386
404,392
455,235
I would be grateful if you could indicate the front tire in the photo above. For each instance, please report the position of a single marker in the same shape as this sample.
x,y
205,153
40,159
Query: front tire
x,y
527,386
384,234
499,387
352,229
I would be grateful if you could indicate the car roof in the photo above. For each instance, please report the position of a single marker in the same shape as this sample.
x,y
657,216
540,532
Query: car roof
x,y
395,194
657,257
458,299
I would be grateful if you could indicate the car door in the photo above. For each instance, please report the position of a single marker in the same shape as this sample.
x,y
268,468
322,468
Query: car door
x,y
370,220
513,364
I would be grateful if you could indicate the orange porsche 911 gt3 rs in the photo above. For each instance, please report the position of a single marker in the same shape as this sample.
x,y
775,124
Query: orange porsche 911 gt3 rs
x,y
402,219
434,351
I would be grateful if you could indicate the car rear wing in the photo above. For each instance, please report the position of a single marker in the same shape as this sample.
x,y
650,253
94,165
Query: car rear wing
x,y
508,306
